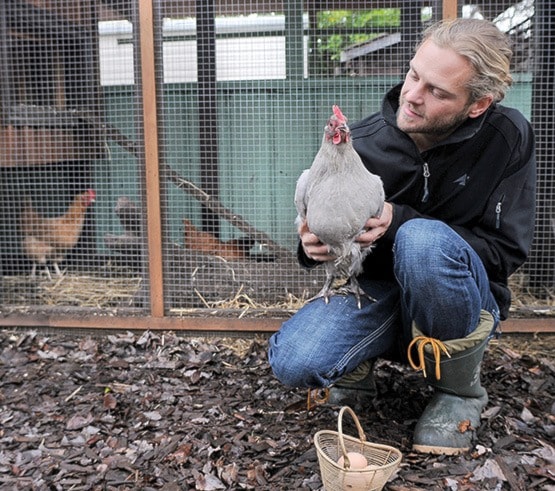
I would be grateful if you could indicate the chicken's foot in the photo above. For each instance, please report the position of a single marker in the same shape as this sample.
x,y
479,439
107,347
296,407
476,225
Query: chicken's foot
x,y
341,286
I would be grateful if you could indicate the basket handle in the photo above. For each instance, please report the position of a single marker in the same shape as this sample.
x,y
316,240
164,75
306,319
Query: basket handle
x,y
361,435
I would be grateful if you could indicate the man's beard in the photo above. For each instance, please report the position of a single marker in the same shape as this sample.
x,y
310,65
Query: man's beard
x,y
439,128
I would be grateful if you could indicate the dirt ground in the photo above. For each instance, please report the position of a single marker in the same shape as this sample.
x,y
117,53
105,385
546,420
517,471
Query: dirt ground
x,y
160,411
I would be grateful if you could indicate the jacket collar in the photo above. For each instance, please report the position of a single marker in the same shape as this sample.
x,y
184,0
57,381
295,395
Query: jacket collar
x,y
466,130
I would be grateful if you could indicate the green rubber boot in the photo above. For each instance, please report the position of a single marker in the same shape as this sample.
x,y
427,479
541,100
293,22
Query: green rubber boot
x,y
356,389
450,419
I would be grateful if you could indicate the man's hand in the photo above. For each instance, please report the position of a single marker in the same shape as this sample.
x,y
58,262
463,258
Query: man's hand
x,y
312,246
376,227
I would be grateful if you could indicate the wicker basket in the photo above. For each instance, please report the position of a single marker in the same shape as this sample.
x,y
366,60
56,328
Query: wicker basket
x,y
383,460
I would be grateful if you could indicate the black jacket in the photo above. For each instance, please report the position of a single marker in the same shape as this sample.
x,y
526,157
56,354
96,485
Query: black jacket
x,y
481,182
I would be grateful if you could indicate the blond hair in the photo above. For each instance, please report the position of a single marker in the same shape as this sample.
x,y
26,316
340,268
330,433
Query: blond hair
x,y
484,45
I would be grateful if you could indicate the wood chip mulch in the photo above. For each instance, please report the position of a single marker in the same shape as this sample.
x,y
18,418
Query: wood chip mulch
x,y
161,411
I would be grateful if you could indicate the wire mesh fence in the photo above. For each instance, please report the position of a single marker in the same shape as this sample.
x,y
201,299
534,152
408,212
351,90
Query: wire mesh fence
x,y
150,150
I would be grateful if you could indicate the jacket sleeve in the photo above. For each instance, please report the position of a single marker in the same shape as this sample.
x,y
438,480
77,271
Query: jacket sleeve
x,y
304,260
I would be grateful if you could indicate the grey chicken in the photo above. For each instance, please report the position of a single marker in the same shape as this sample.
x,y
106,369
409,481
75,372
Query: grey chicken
x,y
336,197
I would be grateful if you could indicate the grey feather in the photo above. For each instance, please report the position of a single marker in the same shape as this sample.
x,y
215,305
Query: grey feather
x,y
336,196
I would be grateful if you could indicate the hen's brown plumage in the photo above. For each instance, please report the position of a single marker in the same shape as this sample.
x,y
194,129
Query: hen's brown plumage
x,y
49,239
207,243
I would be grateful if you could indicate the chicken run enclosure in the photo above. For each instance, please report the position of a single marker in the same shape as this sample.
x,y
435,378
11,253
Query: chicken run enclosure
x,y
149,150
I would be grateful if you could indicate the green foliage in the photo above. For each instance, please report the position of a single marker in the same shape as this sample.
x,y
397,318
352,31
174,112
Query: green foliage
x,y
329,47
375,18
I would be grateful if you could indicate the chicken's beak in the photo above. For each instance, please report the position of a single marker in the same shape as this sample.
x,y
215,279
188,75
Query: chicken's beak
x,y
341,134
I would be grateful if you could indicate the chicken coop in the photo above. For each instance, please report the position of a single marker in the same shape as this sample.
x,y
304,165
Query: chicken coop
x,y
149,150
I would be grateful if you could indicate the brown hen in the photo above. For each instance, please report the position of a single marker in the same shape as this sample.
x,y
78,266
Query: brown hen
x,y
49,239
207,243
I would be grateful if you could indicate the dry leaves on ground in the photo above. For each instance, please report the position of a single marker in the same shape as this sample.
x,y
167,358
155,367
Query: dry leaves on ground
x,y
159,411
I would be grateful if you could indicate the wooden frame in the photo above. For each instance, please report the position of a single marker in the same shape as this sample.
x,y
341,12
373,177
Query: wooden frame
x,y
151,153
209,324
157,320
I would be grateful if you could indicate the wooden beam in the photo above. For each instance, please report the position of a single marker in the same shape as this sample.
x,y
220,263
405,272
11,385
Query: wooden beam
x,y
207,111
199,324
543,325
538,325
294,39
152,165
25,146
450,9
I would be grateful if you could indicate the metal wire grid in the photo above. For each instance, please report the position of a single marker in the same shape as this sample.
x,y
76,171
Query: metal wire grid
x,y
242,91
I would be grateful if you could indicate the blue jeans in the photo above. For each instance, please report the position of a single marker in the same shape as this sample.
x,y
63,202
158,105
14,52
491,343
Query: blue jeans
x,y
440,285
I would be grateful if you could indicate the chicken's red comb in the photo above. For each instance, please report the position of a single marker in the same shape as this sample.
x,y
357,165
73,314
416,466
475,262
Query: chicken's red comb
x,y
91,196
339,114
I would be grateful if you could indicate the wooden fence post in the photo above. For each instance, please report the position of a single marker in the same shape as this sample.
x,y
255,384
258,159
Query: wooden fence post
x,y
449,9
152,171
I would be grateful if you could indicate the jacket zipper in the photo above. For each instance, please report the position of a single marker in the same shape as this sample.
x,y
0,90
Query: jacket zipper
x,y
498,212
426,174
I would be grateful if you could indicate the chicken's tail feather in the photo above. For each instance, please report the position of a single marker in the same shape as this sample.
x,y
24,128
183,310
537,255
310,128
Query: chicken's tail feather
x,y
349,259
